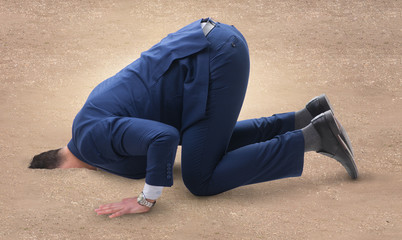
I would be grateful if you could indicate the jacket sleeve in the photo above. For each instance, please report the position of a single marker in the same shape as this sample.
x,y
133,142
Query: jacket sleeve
x,y
156,140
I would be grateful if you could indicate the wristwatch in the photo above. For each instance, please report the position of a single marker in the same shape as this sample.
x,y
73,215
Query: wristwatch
x,y
143,201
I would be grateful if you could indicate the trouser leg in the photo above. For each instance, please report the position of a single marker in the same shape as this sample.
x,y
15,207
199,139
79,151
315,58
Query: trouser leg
x,y
262,129
205,142
207,167
277,158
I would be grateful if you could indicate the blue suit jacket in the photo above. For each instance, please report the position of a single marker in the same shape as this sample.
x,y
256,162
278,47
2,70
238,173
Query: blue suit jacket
x,y
168,84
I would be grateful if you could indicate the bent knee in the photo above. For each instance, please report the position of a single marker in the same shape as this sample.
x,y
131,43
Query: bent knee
x,y
194,187
197,191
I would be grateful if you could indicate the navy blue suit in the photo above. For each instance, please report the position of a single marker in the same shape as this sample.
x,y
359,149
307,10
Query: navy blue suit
x,y
188,89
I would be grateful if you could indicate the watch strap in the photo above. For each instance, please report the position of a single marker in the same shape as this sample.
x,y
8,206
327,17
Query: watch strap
x,y
144,202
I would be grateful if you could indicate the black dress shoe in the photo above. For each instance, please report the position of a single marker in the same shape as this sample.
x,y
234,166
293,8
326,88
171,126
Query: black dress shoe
x,y
318,105
332,143
321,104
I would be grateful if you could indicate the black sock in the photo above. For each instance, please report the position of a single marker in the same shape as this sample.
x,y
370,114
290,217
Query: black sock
x,y
312,139
302,118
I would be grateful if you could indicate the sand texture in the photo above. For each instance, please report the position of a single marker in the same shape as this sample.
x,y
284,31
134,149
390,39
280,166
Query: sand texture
x,y
52,53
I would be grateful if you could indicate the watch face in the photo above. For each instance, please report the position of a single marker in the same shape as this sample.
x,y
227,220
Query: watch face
x,y
140,197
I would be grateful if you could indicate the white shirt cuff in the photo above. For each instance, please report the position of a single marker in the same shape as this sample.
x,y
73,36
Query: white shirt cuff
x,y
152,192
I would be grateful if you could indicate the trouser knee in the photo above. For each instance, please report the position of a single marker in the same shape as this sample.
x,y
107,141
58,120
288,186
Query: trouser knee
x,y
194,186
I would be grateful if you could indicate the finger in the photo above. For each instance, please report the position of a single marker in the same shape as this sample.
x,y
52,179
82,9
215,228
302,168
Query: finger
x,y
102,207
117,214
105,212
108,211
105,208
109,206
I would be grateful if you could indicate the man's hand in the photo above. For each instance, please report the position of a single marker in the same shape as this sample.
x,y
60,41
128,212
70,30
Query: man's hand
x,y
126,206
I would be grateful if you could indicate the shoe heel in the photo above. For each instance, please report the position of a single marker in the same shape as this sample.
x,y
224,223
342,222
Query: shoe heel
x,y
344,153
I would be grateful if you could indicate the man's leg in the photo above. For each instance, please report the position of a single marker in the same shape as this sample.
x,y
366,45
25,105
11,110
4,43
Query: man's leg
x,y
261,129
206,167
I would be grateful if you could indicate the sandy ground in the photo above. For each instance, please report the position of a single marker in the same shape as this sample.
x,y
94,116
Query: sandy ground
x,y
53,54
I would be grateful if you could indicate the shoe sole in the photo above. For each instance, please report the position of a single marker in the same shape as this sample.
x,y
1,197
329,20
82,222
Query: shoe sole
x,y
343,153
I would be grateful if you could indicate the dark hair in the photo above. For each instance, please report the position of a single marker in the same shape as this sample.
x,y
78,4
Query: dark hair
x,y
49,160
